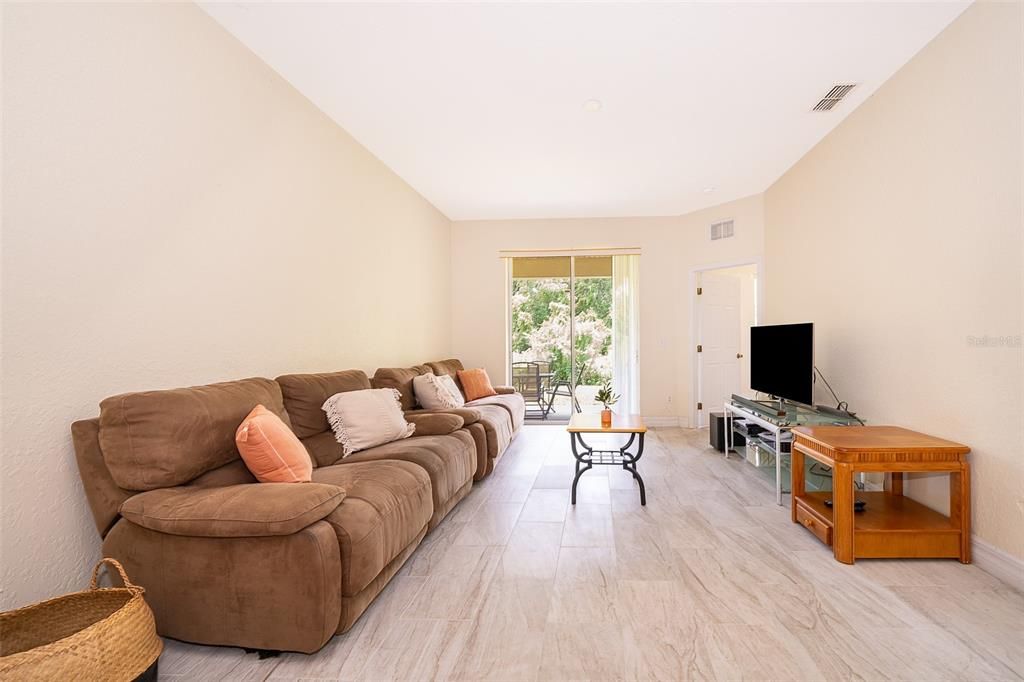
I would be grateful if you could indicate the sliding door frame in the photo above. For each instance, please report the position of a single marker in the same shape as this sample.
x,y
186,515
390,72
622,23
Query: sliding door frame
x,y
509,255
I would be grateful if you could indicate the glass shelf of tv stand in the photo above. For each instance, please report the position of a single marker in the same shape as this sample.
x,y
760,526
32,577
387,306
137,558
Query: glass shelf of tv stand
x,y
792,414
817,477
774,420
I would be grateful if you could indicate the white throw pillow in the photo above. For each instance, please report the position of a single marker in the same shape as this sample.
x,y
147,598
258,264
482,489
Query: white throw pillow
x,y
363,419
431,394
457,399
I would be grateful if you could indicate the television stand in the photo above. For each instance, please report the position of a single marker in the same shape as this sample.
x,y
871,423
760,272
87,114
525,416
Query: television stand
x,y
775,420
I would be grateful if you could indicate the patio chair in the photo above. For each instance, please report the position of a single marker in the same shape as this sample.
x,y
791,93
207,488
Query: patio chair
x,y
567,389
527,379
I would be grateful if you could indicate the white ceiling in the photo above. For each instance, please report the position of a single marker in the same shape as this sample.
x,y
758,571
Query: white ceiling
x,y
480,106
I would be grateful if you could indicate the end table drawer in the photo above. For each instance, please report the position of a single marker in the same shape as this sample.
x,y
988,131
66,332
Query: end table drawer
x,y
812,523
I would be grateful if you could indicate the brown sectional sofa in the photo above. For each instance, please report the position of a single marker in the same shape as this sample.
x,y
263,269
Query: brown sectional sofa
x,y
272,566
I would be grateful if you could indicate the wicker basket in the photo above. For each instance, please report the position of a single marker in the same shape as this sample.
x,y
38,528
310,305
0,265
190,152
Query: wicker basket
x,y
98,634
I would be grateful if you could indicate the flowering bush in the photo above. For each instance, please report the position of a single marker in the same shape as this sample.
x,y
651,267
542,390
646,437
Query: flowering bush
x,y
540,326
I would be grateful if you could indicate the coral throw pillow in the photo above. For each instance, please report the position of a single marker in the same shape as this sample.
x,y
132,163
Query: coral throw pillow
x,y
476,384
271,451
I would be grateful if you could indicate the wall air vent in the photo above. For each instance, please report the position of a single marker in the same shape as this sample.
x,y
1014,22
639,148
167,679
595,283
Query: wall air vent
x,y
722,229
834,97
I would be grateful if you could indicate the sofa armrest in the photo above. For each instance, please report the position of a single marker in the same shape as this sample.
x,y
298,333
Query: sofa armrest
x,y
246,510
434,423
505,390
468,414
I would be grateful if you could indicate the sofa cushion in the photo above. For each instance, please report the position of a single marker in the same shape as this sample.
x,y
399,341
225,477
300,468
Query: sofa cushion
x,y
160,439
434,423
386,506
304,396
468,414
450,461
513,403
400,379
270,450
498,427
237,511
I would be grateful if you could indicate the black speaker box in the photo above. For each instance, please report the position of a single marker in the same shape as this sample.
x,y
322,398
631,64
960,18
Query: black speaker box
x,y
718,433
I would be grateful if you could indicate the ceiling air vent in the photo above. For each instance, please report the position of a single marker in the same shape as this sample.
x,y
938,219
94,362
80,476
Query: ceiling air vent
x,y
722,229
834,97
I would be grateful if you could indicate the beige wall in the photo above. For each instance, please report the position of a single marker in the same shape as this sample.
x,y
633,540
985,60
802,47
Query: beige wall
x,y
900,236
175,213
672,248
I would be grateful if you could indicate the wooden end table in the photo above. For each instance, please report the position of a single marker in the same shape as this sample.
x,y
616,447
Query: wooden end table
x,y
587,457
891,525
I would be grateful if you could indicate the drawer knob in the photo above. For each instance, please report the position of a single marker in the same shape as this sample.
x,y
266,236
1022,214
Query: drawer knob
x,y
808,522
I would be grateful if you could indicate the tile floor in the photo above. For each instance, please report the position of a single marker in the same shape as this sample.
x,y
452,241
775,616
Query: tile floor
x,y
709,580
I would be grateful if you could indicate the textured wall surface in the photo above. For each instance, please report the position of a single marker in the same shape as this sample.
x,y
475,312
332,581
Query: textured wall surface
x,y
174,213
900,236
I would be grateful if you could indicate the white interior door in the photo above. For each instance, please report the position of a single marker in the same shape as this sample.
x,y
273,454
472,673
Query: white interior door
x,y
718,337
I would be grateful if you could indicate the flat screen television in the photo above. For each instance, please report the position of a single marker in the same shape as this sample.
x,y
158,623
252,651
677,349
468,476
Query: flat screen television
x,y
782,361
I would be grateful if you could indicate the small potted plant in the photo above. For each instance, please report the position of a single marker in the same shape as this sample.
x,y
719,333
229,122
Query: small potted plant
x,y
606,397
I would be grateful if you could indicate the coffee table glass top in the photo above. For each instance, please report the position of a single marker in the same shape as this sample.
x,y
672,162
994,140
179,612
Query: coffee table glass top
x,y
591,423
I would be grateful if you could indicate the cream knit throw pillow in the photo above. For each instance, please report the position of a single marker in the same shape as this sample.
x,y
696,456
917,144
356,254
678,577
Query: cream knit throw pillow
x,y
363,419
433,394
453,390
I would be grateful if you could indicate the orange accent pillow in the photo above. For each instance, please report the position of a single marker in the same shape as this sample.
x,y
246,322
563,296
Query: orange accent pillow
x,y
476,383
271,451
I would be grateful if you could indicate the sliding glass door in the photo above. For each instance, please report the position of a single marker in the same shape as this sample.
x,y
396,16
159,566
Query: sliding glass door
x,y
568,319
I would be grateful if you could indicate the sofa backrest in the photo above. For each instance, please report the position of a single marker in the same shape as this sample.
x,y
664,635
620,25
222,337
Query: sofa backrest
x,y
304,396
104,495
400,379
451,367
160,439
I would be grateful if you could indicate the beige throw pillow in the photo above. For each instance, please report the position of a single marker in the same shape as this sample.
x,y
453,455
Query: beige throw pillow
x,y
453,390
432,394
365,418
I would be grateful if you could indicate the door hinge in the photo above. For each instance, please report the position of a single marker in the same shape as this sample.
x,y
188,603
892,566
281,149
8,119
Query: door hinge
x,y
700,348
700,291
700,406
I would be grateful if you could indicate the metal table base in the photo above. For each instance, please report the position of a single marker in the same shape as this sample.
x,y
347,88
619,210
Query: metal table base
x,y
587,457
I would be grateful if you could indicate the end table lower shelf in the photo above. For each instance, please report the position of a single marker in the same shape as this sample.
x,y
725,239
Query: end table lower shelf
x,y
885,525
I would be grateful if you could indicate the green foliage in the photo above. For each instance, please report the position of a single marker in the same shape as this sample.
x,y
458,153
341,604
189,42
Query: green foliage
x,y
606,396
540,330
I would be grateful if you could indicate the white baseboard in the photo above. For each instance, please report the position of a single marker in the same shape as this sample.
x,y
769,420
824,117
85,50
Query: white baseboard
x,y
665,422
998,563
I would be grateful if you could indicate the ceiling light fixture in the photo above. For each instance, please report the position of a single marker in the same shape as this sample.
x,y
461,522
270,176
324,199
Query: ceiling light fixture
x,y
709,190
592,105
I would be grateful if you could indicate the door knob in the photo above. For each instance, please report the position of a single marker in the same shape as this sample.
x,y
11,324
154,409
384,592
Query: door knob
x,y
739,355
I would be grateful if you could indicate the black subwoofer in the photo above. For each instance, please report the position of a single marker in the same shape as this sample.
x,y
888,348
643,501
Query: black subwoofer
x,y
717,433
